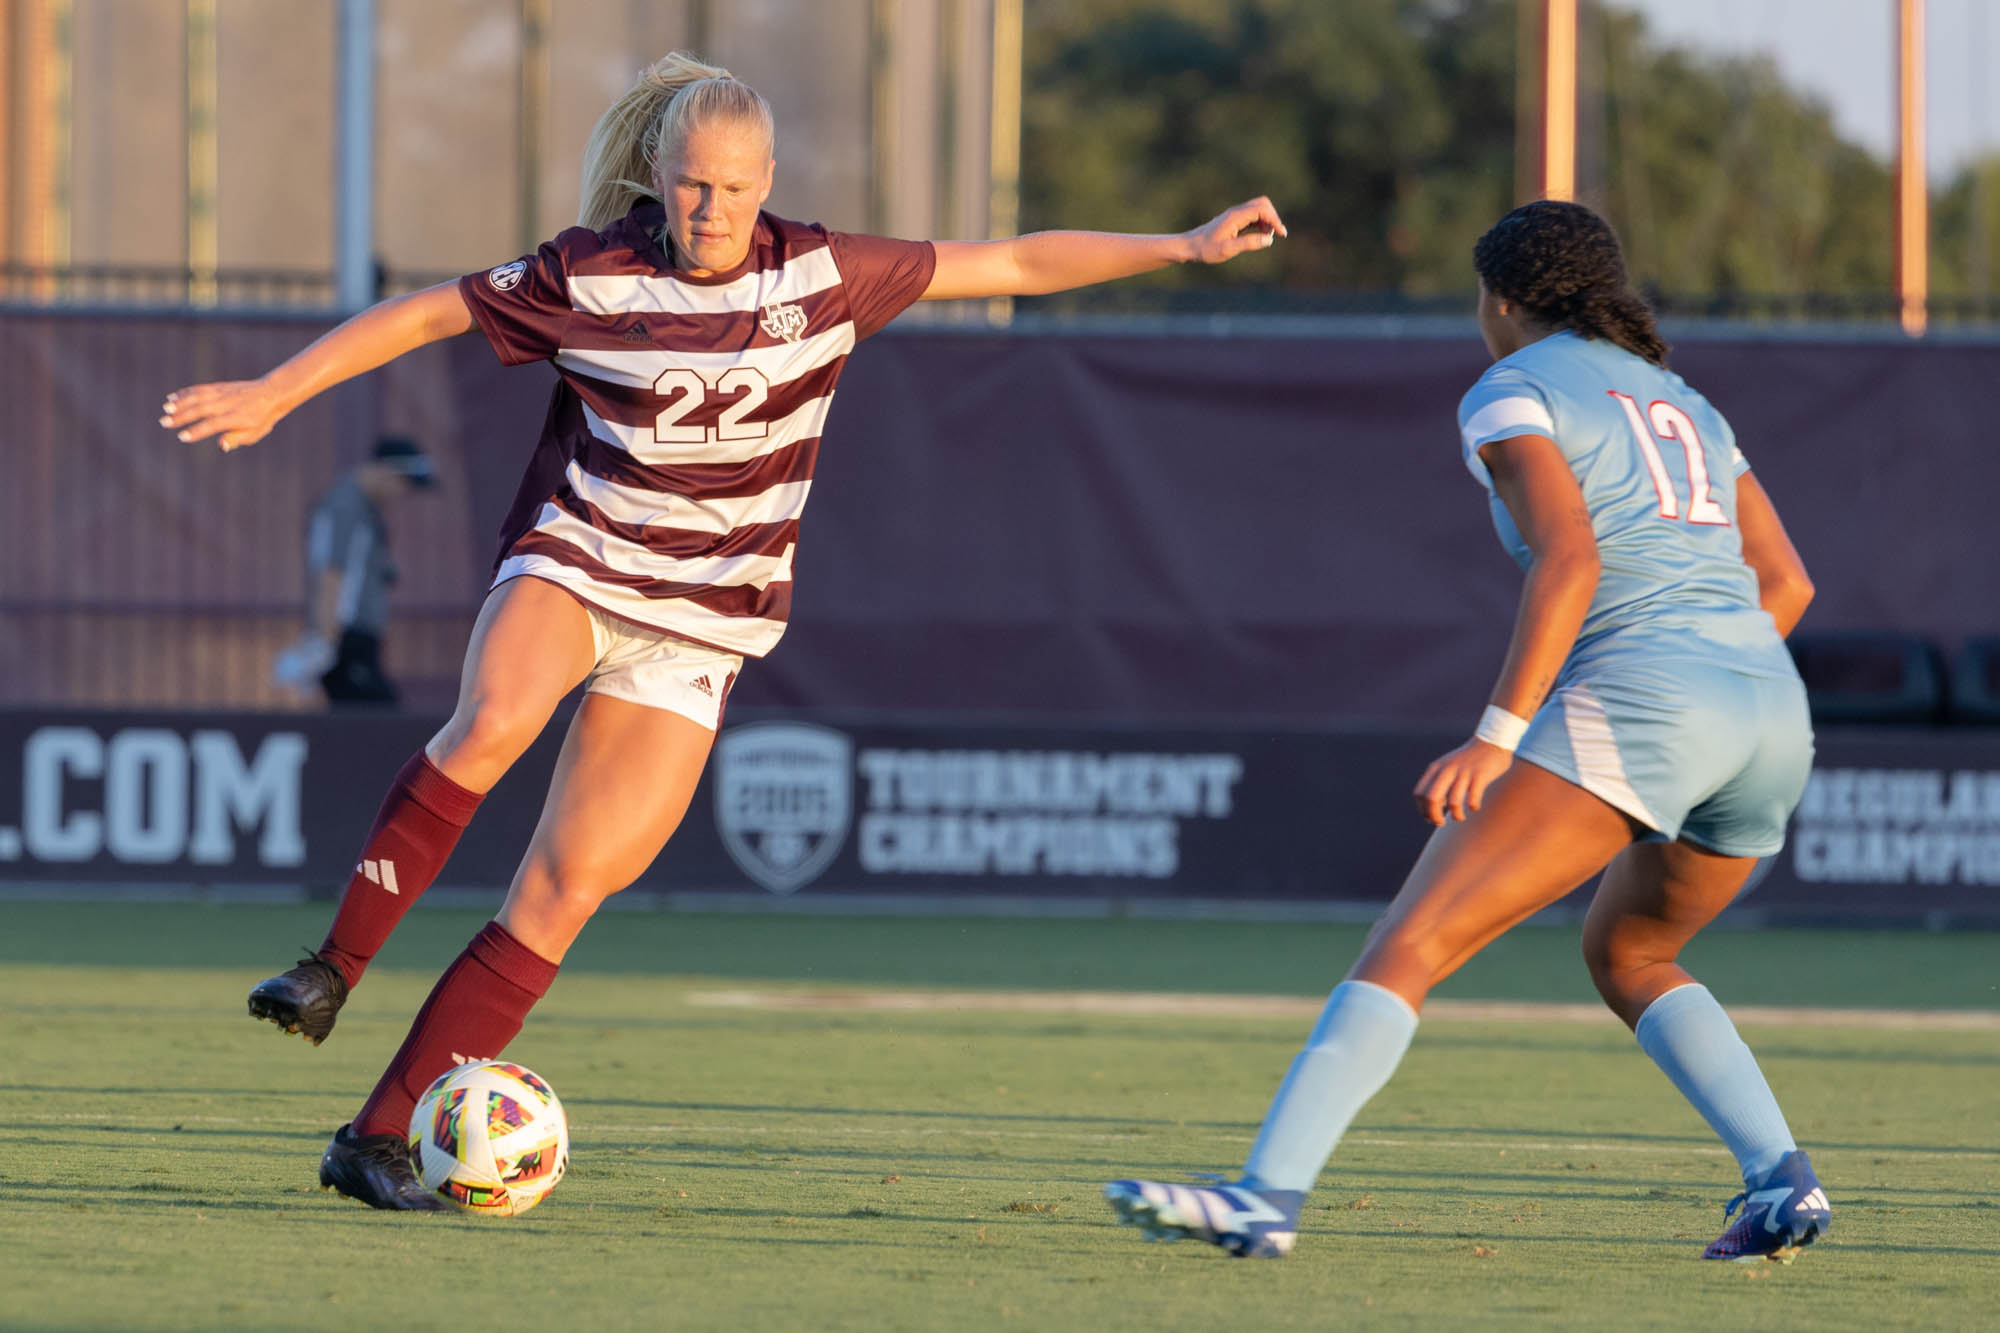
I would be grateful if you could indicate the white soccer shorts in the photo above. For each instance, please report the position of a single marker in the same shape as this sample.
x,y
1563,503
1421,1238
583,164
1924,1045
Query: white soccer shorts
x,y
656,669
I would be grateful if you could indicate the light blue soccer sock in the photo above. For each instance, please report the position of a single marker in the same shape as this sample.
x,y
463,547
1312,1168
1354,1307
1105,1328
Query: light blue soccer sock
x,y
1354,1048
1693,1042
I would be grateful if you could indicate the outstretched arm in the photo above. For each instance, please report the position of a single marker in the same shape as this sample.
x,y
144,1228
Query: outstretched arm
x,y
1056,261
242,412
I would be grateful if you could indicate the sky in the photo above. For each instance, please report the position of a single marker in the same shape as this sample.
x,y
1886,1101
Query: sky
x,y
1844,52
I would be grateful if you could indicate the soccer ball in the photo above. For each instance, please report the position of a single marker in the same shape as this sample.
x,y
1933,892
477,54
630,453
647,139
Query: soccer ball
x,y
490,1137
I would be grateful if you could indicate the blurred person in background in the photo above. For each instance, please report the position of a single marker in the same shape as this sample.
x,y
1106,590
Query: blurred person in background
x,y
1663,727
349,573
649,551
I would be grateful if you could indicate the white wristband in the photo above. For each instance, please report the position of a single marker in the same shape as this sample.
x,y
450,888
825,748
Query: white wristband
x,y
1498,727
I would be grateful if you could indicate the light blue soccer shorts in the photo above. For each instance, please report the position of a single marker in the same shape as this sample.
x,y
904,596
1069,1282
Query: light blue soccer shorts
x,y
1688,749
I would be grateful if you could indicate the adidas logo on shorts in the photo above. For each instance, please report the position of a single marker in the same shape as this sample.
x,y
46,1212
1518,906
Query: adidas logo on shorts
x,y
703,684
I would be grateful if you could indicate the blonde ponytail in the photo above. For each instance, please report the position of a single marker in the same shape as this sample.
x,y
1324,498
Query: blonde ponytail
x,y
649,124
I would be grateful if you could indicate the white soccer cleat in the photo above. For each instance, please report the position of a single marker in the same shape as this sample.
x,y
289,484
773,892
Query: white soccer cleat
x,y
1253,1224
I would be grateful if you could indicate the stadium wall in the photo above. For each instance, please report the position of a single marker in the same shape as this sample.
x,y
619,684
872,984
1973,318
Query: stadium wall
x,y
1091,524
1245,573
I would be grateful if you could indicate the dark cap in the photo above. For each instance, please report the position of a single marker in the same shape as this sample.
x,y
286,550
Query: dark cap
x,y
402,455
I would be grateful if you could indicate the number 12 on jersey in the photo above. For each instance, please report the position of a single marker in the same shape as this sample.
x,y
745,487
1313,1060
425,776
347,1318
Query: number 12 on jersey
x,y
1668,422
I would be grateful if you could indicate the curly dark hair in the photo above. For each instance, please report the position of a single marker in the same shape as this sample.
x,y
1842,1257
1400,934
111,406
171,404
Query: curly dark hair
x,y
1561,263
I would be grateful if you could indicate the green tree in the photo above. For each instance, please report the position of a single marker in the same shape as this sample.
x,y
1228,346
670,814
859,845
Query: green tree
x,y
1725,182
1149,113
1965,241
1385,132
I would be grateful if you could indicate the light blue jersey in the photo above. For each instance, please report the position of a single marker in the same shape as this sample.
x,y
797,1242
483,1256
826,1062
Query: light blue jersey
x,y
1658,468
1679,704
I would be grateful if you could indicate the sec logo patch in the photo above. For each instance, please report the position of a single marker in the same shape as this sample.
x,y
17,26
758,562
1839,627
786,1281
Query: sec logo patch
x,y
508,276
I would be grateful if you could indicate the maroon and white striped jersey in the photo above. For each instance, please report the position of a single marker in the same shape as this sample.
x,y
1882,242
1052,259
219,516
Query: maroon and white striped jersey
x,y
680,443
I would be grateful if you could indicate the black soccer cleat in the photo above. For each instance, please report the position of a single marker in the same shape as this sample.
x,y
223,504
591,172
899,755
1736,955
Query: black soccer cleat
x,y
303,1000
376,1169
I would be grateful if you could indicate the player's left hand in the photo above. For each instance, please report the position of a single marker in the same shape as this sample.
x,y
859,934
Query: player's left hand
x,y
1454,784
1254,225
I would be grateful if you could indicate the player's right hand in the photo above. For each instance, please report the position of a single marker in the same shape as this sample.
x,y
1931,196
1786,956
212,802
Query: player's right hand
x,y
1454,785
236,412
1252,225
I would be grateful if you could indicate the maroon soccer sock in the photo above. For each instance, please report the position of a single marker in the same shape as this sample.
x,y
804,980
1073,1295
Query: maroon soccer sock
x,y
419,823
473,1012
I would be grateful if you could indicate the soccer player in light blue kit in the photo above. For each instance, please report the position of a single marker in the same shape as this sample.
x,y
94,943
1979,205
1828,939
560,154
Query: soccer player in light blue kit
x,y
1663,726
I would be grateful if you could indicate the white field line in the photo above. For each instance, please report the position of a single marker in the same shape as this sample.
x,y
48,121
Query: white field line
x,y
1169,1005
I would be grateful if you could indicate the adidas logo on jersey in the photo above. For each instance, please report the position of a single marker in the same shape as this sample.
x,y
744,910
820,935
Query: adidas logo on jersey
x,y
379,872
638,333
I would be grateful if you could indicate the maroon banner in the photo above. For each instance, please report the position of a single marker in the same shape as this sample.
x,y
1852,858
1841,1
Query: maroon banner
x,y
1895,827
1090,525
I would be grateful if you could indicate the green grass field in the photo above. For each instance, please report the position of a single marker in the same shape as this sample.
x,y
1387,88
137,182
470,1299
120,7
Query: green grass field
x,y
830,1167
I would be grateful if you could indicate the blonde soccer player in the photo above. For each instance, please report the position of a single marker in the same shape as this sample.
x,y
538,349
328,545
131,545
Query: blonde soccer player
x,y
650,548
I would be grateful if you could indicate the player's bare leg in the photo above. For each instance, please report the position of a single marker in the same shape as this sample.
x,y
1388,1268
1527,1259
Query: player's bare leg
x,y
1534,838
530,646
622,784
1654,898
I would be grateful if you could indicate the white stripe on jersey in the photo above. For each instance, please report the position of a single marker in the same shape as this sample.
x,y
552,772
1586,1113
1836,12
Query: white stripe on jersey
x,y
752,636
725,571
644,294
663,509
803,423
1502,419
1600,770
641,368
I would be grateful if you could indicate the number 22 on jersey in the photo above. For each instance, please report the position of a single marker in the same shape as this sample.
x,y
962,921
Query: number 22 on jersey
x,y
746,389
1668,422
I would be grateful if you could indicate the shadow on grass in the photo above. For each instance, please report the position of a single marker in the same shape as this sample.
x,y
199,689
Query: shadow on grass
x,y
1500,1239
882,1113
1137,1128
156,1091
1584,1044
952,1025
67,1130
1545,1135
156,1196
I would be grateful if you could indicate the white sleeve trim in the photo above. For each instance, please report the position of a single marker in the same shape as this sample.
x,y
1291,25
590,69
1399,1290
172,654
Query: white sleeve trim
x,y
1502,419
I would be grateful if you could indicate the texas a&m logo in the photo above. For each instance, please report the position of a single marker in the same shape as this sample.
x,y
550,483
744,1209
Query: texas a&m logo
x,y
786,320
